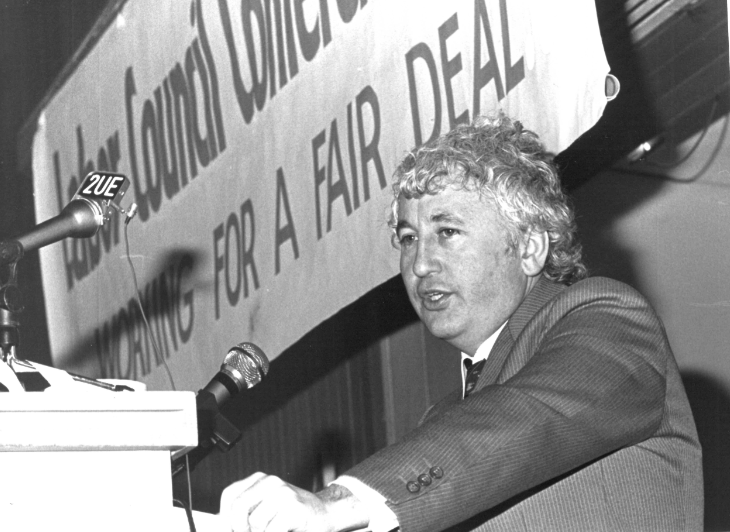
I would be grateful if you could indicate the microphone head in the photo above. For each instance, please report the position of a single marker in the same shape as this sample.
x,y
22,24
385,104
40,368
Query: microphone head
x,y
246,364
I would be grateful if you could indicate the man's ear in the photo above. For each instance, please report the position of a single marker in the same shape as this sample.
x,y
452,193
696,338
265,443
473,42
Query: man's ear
x,y
534,250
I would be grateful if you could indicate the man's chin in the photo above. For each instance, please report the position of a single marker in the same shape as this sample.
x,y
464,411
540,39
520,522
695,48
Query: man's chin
x,y
439,327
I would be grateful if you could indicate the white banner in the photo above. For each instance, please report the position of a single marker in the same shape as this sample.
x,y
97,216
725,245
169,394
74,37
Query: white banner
x,y
260,137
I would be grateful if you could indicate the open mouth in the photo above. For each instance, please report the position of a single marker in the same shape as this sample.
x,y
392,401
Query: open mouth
x,y
434,300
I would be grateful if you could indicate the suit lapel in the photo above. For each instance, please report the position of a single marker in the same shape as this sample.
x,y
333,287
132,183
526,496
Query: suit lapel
x,y
540,294
497,357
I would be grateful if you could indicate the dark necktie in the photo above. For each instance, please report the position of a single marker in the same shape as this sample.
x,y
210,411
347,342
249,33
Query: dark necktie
x,y
472,374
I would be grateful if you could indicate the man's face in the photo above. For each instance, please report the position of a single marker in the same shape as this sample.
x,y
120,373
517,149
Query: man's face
x,y
462,277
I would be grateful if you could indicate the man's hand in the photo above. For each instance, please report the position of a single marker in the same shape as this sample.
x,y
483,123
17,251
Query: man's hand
x,y
266,503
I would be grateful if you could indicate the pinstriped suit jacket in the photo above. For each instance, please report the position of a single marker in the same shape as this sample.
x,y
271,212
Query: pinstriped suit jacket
x,y
579,422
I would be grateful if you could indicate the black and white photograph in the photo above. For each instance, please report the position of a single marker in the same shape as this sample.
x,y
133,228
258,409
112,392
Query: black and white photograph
x,y
364,265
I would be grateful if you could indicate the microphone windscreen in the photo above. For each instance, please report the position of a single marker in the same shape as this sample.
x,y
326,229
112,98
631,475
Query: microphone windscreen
x,y
246,364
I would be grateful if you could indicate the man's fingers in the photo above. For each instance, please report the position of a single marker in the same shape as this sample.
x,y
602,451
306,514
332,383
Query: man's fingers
x,y
280,523
234,490
259,503
237,502
264,503
268,517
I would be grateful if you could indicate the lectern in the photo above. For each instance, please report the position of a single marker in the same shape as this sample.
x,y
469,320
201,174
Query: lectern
x,y
92,460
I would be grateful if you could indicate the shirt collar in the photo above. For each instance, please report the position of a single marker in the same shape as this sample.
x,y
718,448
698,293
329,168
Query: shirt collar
x,y
482,352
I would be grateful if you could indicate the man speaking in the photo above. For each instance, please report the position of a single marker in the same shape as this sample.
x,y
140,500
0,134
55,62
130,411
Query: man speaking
x,y
572,414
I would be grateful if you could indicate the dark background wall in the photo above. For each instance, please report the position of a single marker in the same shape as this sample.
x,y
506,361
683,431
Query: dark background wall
x,y
37,38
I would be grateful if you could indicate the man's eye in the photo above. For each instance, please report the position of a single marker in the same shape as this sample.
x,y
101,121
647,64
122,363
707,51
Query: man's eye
x,y
448,232
406,239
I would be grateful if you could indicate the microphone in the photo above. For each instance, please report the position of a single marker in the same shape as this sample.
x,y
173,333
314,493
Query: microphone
x,y
243,367
87,211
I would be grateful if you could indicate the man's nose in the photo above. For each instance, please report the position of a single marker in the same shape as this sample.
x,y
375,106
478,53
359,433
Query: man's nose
x,y
426,260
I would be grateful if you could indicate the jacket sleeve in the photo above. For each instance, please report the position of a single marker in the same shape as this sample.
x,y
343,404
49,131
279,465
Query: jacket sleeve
x,y
585,378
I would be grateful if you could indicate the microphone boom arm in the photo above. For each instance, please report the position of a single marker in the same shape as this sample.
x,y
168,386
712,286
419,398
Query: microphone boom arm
x,y
81,218
214,430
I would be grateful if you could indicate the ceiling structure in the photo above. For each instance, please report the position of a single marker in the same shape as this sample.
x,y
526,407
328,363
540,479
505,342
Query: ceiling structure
x,y
671,58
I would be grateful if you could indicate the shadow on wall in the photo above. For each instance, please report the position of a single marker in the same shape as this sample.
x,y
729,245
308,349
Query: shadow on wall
x,y
710,404
598,205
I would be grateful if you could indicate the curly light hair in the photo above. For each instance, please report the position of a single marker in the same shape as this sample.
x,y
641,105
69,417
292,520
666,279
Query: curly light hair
x,y
508,165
